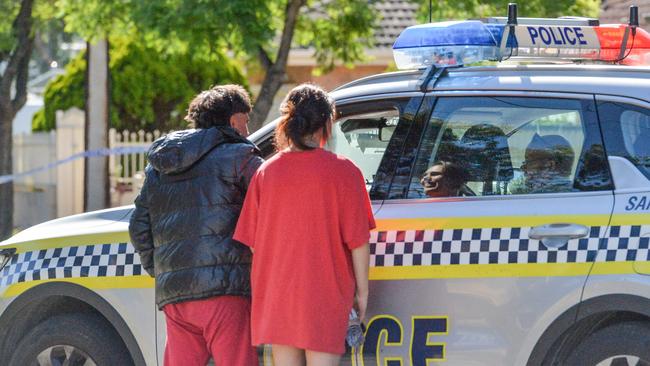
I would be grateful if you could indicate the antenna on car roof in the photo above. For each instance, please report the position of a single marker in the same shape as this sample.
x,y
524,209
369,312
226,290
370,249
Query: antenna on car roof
x,y
632,25
508,30
634,17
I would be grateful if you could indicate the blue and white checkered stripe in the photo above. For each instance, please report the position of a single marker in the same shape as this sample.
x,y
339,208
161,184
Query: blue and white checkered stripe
x,y
387,249
503,246
101,260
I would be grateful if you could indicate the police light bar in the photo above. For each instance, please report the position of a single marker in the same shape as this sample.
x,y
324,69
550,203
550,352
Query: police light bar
x,y
464,42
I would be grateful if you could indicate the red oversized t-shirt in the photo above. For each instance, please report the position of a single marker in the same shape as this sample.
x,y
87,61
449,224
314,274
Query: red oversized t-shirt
x,y
303,214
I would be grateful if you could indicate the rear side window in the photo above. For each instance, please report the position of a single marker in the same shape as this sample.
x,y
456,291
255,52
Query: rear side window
x,y
627,132
507,146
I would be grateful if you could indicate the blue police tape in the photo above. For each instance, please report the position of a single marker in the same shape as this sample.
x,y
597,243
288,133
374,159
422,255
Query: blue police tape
x,y
82,155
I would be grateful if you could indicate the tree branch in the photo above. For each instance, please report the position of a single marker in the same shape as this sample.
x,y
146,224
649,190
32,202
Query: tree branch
x,y
290,20
21,79
40,48
264,58
22,28
276,73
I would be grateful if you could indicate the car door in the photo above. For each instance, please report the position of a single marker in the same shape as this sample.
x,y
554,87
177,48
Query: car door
x,y
612,316
475,278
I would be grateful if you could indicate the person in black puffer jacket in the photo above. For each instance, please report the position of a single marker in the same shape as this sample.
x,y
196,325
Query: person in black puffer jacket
x,y
182,227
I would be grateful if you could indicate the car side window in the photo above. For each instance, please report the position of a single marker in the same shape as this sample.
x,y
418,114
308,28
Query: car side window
x,y
482,146
627,133
363,138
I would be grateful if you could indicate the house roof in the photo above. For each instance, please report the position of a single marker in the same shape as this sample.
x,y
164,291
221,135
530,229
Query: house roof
x,y
395,15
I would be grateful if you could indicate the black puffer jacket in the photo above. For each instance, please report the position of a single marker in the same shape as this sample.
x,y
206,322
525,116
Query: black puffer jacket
x,y
186,214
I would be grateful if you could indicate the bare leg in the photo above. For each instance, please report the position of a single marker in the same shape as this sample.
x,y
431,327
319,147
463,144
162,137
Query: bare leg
x,y
287,355
322,359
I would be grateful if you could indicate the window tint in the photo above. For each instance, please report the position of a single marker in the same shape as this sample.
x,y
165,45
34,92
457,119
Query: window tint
x,y
627,133
364,138
506,146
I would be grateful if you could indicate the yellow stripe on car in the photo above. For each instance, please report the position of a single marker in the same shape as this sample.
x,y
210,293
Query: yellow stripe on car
x,y
498,270
481,222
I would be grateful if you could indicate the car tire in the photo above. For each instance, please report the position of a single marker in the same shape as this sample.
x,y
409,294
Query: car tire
x,y
71,340
621,344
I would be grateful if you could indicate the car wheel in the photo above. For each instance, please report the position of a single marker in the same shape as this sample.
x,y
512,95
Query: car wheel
x,y
74,340
622,344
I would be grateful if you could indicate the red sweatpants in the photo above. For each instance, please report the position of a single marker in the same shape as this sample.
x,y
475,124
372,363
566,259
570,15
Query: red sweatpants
x,y
218,326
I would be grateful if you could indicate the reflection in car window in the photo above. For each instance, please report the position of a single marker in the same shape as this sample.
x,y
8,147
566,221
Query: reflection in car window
x,y
627,131
509,146
364,139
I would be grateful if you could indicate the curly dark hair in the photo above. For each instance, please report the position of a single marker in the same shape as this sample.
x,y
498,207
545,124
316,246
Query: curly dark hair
x,y
215,106
306,109
454,175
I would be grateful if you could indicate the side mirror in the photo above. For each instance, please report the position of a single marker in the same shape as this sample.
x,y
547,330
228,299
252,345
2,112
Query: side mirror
x,y
385,133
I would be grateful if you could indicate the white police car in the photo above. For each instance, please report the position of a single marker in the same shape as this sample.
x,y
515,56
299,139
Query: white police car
x,y
537,254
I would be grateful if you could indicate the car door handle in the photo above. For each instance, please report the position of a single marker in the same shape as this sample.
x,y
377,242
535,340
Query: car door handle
x,y
557,235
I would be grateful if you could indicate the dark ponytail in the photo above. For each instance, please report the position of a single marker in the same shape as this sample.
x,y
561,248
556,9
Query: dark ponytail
x,y
305,110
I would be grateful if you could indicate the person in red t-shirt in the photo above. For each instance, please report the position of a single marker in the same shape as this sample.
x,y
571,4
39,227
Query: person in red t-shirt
x,y
307,217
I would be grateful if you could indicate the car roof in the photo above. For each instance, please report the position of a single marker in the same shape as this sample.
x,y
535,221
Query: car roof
x,y
601,79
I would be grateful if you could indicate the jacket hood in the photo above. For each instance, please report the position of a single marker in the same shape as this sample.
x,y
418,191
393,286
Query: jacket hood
x,y
178,151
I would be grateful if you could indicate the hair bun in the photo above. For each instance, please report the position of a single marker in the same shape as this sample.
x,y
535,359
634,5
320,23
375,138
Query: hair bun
x,y
299,119
305,110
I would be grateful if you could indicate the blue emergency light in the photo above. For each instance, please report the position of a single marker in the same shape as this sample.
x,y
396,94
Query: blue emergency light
x,y
450,43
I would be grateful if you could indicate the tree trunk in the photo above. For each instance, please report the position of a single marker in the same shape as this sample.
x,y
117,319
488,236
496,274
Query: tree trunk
x,y
276,73
15,74
7,189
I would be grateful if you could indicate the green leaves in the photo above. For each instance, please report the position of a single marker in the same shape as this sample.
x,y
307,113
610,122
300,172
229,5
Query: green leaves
x,y
212,24
95,19
9,10
150,88
62,93
337,30
464,9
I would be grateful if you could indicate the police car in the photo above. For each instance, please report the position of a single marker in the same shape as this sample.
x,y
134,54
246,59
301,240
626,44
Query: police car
x,y
540,255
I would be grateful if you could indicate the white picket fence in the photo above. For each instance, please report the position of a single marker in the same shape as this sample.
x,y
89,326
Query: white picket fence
x,y
125,171
34,195
59,192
